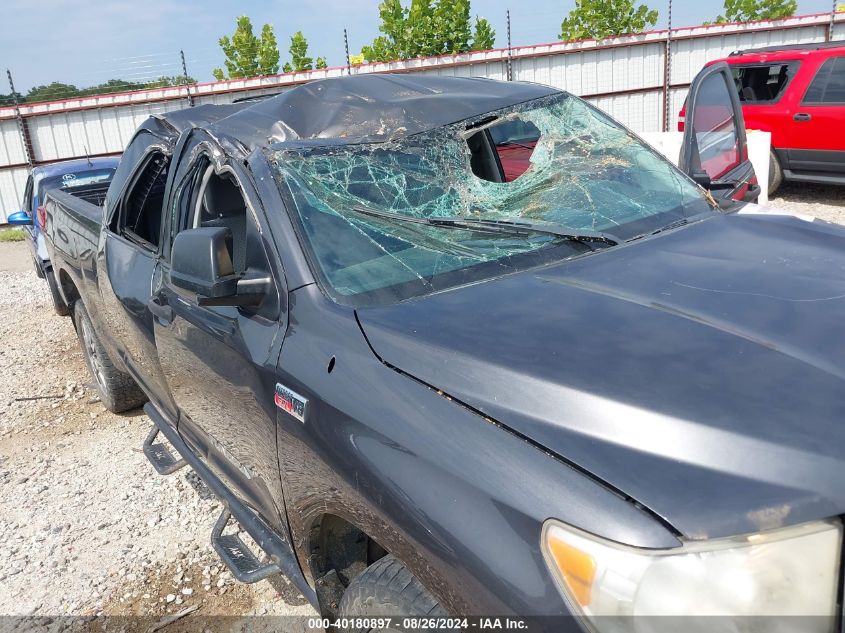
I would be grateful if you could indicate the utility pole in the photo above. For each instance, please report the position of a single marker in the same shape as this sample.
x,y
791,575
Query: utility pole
x,y
22,126
346,46
510,59
185,75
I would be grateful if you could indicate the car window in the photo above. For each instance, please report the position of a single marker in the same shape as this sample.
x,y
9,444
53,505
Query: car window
x,y
79,179
221,204
763,83
715,127
206,198
140,213
828,86
514,142
27,197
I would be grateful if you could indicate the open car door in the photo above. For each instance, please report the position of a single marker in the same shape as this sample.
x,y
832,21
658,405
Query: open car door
x,y
714,151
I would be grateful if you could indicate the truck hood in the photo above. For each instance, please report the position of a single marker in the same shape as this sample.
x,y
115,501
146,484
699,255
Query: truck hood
x,y
700,371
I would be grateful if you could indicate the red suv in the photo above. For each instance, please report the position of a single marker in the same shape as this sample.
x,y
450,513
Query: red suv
x,y
796,92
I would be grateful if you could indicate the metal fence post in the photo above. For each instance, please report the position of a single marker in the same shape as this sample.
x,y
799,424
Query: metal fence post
x,y
185,75
510,57
29,154
667,72
346,46
832,19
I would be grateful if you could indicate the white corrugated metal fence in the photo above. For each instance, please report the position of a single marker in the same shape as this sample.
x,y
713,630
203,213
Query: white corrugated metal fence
x,y
625,76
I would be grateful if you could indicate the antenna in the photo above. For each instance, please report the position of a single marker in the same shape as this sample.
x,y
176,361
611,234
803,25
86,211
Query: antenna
x,y
87,157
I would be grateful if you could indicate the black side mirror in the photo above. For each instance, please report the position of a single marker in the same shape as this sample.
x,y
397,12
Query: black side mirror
x,y
201,263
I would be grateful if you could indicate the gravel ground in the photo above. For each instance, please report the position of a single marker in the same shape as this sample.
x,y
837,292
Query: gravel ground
x,y
87,526
826,202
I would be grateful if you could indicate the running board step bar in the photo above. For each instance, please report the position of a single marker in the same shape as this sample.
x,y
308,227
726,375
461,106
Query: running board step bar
x,y
235,554
160,456
274,544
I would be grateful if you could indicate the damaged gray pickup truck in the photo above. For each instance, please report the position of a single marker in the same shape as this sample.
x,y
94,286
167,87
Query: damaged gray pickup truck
x,y
454,347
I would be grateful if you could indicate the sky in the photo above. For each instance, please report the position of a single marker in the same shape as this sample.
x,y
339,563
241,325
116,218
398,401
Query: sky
x,y
86,42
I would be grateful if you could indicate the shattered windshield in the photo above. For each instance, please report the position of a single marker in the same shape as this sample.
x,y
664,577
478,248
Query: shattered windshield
x,y
510,190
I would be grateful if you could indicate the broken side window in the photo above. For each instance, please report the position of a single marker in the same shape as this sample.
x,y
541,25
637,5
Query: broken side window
x,y
763,83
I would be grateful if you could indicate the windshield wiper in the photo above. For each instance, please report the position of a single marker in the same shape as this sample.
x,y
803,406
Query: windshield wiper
x,y
583,236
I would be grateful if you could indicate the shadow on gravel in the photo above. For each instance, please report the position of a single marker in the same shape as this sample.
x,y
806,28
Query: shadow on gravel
x,y
287,591
133,413
818,194
199,486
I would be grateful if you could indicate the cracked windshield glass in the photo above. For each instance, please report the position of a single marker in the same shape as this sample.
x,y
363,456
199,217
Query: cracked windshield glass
x,y
545,181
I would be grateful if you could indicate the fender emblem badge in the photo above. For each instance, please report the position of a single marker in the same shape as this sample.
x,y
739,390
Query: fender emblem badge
x,y
290,401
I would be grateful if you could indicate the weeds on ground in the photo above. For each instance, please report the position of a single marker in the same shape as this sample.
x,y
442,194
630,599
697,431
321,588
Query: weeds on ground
x,y
11,235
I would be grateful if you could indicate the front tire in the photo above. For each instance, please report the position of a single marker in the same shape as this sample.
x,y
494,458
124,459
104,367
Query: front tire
x,y
387,588
118,391
775,172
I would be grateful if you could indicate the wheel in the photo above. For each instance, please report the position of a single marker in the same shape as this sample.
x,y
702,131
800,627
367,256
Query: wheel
x,y
118,391
775,172
387,588
58,303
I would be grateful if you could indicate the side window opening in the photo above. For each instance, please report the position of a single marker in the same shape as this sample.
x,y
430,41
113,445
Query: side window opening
x,y
140,214
763,83
502,152
222,204
209,199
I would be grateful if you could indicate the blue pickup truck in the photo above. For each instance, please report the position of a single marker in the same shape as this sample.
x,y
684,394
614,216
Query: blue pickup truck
x,y
87,177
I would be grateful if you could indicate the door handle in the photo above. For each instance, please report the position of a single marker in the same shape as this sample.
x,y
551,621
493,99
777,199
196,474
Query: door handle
x,y
162,312
801,116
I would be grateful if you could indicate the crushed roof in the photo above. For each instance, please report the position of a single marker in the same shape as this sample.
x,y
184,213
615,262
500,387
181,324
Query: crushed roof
x,y
356,109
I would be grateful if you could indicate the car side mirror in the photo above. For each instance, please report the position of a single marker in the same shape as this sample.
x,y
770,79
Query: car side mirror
x,y
201,263
20,218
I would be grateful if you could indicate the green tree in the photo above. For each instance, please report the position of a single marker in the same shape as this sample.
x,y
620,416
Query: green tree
x,y
110,86
299,59
427,27
248,55
53,91
747,10
9,99
598,19
171,80
483,37
268,52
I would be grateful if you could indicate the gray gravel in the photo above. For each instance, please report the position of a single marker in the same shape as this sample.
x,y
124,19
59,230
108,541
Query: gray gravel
x,y
826,202
87,526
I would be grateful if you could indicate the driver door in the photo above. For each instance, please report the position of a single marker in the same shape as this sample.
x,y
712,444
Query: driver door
x,y
714,152
220,361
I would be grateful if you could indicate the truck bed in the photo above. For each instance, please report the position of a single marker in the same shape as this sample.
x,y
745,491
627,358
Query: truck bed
x,y
94,193
74,223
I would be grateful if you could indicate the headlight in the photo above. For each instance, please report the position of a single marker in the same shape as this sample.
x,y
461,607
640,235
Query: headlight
x,y
792,571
